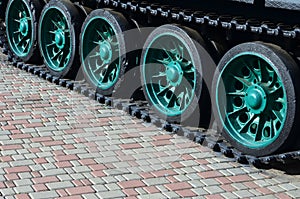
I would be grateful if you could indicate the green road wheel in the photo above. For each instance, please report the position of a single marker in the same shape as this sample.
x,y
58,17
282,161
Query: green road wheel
x,y
103,49
59,30
21,28
255,98
171,69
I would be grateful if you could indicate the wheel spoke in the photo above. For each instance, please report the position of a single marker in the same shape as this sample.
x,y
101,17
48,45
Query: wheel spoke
x,y
278,115
238,111
245,126
242,80
259,131
237,94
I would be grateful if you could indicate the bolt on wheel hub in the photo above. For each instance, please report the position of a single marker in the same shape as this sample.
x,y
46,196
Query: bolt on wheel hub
x,y
174,73
60,39
105,51
256,99
23,26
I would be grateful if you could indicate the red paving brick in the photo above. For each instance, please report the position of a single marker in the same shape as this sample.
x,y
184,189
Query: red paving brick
x,y
210,174
131,184
240,178
131,146
45,179
186,193
22,196
80,190
17,169
163,173
178,186
39,187
130,192
151,189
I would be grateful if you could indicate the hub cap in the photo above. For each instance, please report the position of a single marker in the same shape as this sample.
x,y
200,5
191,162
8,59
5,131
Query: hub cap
x,y
19,27
101,53
169,74
254,108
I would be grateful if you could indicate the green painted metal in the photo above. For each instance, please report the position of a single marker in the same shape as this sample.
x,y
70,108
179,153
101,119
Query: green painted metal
x,y
19,27
55,39
251,100
100,53
169,74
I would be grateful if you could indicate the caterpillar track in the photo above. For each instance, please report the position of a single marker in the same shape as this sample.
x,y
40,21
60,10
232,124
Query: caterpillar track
x,y
211,25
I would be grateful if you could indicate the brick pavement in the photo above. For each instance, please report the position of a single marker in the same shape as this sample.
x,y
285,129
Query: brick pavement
x,y
57,143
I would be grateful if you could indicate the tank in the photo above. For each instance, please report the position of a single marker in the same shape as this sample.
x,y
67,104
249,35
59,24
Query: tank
x,y
232,65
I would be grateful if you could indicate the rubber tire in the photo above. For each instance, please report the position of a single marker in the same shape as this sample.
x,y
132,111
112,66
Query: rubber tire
x,y
121,25
288,71
74,19
33,56
200,106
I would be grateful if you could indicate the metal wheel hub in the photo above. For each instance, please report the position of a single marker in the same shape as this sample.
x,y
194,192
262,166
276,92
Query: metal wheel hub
x,y
174,73
256,99
105,51
23,28
60,38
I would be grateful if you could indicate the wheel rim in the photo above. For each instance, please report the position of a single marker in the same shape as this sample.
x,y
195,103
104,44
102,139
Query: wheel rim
x,y
55,39
169,74
19,27
254,111
100,53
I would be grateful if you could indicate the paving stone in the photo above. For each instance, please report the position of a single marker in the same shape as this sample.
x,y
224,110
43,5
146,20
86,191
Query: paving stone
x,y
155,181
213,189
44,194
59,185
111,194
294,193
23,189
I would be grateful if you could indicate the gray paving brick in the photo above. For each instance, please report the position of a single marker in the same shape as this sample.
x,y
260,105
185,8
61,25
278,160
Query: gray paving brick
x,y
59,185
52,172
294,193
155,181
23,189
64,177
155,195
210,182
141,191
213,189
89,196
276,189
7,191
181,178
23,182
44,194
239,186
97,181
100,188
132,176
81,169
200,191
112,186
111,194
288,186
229,195
243,193
262,183
264,197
